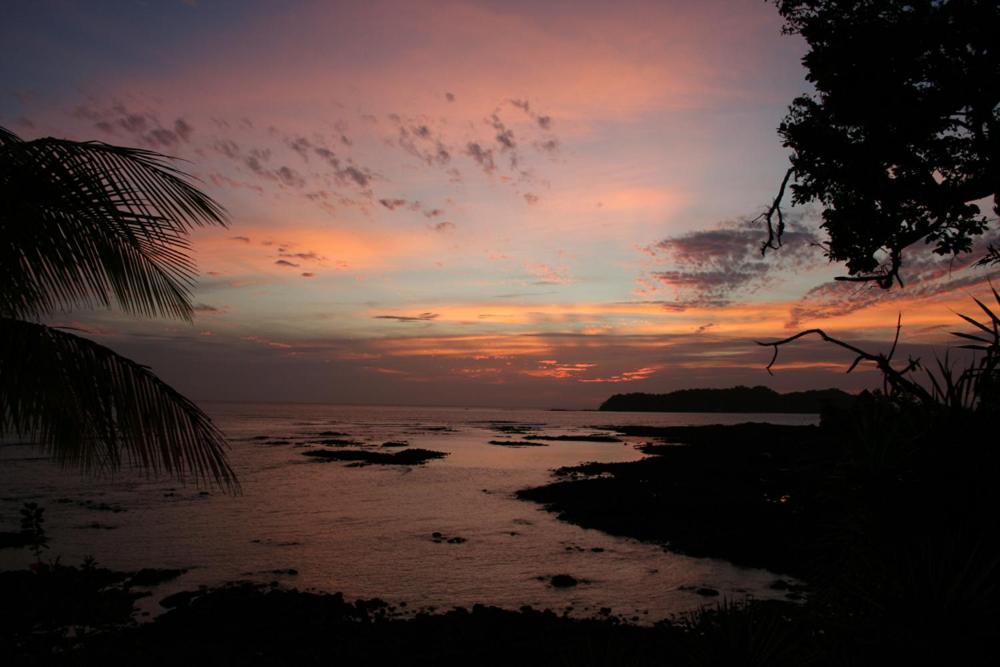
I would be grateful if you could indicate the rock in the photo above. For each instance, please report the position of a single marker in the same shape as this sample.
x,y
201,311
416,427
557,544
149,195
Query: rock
x,y
563,581
149,576
515,443
181,599
594,437
405,457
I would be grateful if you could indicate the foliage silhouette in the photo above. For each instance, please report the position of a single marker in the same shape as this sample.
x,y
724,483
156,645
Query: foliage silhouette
x,y
32,520
901,137
976,388
87,224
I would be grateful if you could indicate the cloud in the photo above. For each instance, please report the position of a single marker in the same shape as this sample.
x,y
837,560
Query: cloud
x,y
422,317
285,262
244,239
548,275
417,138
710,266
531,198
444,227
307,256
504,135
290,177
626,376
550,146
143,128
551,368
927,275
482,156
308,274
393,204
412,205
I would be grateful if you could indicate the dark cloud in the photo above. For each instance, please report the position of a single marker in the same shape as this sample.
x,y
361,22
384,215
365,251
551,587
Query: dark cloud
x,y
393,204
142,128
531,198
482,156
709,266
411,205
504,135
357,175
244,239
544,121
206,308
183,129
305,256
548,146
422,317
289,177
450,97
344,171
927,276
228,148
418,139
308,274
300,145
285,262
444,226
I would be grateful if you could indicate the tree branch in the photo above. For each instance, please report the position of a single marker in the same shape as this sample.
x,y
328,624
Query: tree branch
x,y
896,382
774,232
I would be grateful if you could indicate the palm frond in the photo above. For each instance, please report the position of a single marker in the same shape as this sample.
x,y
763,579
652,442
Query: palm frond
x,y
88,223
93,408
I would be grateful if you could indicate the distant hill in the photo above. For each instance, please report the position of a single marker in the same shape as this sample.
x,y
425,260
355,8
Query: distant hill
x,y
735,399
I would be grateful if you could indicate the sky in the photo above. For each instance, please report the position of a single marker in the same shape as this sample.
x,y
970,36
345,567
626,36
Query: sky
x,y
468,203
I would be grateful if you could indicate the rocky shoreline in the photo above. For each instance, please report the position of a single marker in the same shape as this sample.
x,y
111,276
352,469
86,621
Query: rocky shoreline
x,y
753,494
891,541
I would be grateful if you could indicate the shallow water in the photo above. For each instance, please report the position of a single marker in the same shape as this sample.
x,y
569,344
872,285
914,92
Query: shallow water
x,y
367,531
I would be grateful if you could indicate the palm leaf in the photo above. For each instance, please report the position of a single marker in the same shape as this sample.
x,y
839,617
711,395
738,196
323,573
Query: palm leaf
x,y
88,223
93,408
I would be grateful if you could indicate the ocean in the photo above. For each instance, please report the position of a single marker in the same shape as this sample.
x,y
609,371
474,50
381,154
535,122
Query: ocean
x,y
369,531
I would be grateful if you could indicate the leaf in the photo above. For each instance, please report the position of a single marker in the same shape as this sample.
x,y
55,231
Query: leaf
x,y
975,323
90,407
969,336
91,224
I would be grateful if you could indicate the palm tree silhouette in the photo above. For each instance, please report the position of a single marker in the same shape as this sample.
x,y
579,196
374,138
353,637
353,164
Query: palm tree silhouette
x,y
91,224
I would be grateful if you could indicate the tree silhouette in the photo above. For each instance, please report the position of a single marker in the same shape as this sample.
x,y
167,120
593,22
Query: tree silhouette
x,y
901,137
91,224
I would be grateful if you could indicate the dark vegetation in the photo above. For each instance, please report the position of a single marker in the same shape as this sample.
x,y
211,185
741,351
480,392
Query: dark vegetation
x,y
898,143
734,399
87,224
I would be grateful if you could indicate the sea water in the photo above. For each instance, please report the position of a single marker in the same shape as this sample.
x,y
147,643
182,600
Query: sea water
x,y
368,531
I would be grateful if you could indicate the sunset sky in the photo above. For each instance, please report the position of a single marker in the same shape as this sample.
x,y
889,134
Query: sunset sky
x,y
471,203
